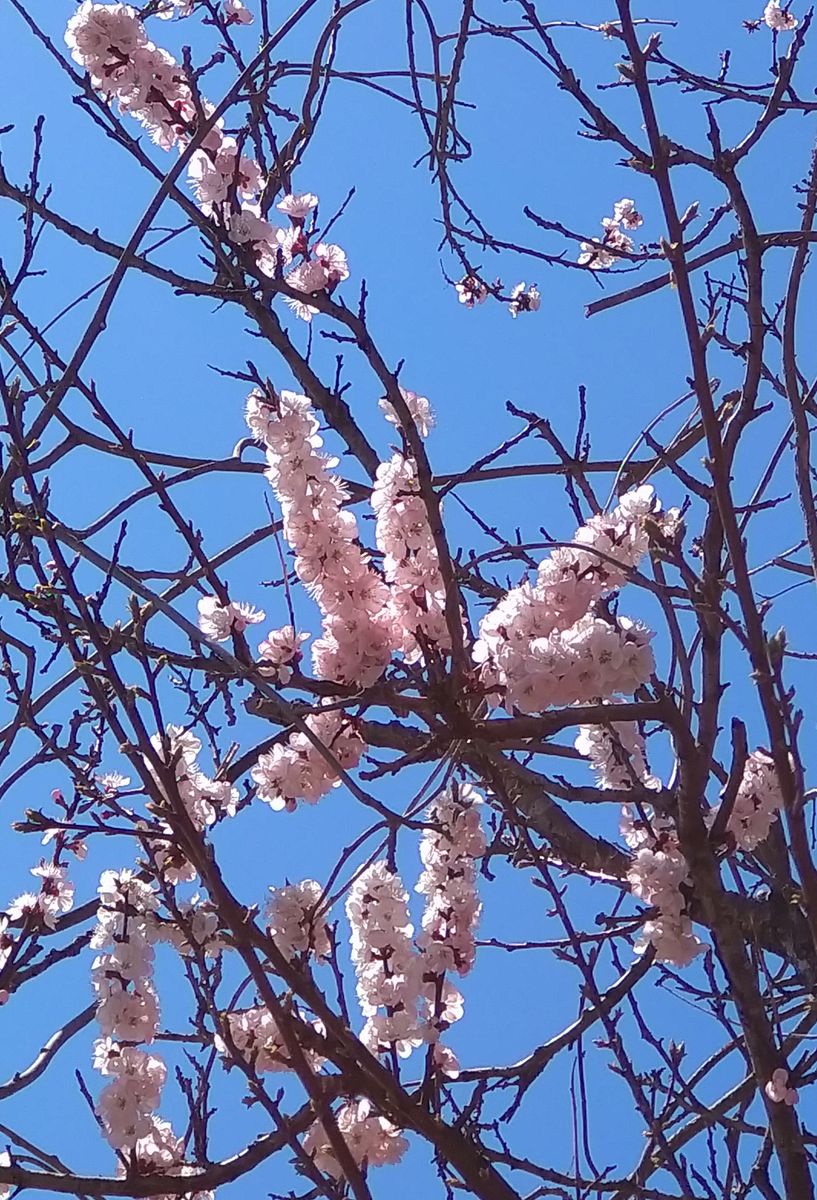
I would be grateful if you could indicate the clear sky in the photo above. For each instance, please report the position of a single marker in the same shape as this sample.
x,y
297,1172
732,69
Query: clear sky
x,y
154,368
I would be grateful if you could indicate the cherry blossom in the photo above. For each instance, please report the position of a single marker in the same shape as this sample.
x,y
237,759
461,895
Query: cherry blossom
x,y
614,243
111,43
657,871
218,621
779,19
524,299
372,1140
386,962
204,799
281,652
296,770
113,781
757,803
627,215
255,1034
450,849
471,291
294,922
357,639
542,644
778,1090
617,754
420,411
298,207
417,600
236,14
56,892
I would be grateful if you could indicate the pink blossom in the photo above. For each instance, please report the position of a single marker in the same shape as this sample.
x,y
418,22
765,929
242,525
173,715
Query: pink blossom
x,y
627,215
281,651
372,1140
294,921
420,411
617,754
417,597
357,639
386,963
778,1090
471,291
218,621
524,299
779,19
295,770
236,14
297,207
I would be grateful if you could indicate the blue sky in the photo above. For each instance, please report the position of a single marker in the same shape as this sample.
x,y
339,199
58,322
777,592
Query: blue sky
x,y
153,367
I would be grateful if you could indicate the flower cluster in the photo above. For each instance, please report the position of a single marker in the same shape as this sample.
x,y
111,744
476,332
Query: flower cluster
x,y
294,922
55,897
296,770
471,291
127,1006
658,867
161,1152
356,644
416,604
218,621
372,1140
757,803
281,652
419,408
614,243
524,299
543,645
111,43
655,876
204,799
449,849
386,962
236,14
778,1090
617,754
779,19
255,1035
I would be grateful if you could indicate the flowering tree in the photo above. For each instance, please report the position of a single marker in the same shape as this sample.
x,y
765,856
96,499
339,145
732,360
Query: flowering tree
x,y
506,768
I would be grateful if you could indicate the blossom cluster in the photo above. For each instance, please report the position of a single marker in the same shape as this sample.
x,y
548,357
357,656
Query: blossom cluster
x,y
356,644
614,242
757,803
204,799
658,867
127,1007
524,299
294,921
218,621
127,1013
280,652
471,291
416,597
111,43
543,645
372,1140
402,986
55,897
617,754
656,875
386,962
419,408
779,19
255,1034
778,1090
296,770
449,849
